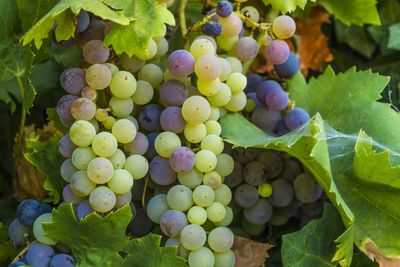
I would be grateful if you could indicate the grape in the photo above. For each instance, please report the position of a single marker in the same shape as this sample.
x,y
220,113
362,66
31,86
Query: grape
x,y
149,118
165,143
72,80
278,220
252,229
196,109
281,128
179,197
173,93
124,131
38,231
213,127
144,93
30,209
306,188
161,172
227,220
237,102
291,169
19,234
208,67
123,199
39,255
83,109
224,9
227,43
62,260
137,165
121,107
139,145
82,21
221,239
141,224
162,47
223,194
288,211
156,207
104,144
277,99
207,87
193,237
236,65
117,159
81,185
203,257
98,76
195,133
174,242
123,84
296,117
260,213
215,113
225,69
67,169
289,68
265,190
225,259
284,27
235,178
69,196
272,162
131,64
201,47
109,122
63,108
102,199
100,170
94,31
114,69
180,63
203,195
212,28
191,179
253,101
265,119
197,215
246,48
253,173
231,25
264,87
282,193
17,264
212,179
205,160
82,156
251,12
94,52
121,182
213,143
225,164
65,146
171,120
149,52
182,159
172,222
246,196
244,155
236,82
216,212
89,93
277,52
253,81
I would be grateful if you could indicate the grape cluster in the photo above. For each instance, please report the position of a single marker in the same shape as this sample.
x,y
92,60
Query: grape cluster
x,y
27,227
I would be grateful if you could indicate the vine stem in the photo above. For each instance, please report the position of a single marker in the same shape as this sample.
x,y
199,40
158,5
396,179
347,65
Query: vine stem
x,y
182,16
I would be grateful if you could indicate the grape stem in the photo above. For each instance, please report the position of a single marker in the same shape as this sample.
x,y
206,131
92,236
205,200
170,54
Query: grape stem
x,y
182,16
22,252
144,191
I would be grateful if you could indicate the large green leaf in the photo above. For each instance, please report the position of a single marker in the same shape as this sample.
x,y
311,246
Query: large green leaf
x,y
31,11
314,244
287,5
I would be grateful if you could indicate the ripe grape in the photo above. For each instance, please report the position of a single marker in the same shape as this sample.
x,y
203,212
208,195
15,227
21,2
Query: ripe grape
x,y
67,169
100,170
260,213
224,9
296,117
156,207
246,48
98,76
19,234
231,25
181,63
121,107
253,81
197,215
137,165
62,260
38,231
81,157
235,178
82,21
179,197
282,193
161,172
69,196
139,145
152,74
196,109
94,31
212,28
203,195
172,222
131,64
65,146
173,93
253,173
94,52
63,109
284,27
208,67
291,169
124,131
149,118
39,255
220,239
102,199
288,68
122,200
246,196
306,188
171,120
205,160
81,185
117,159
123,84
223,194
201,47
143,94
121,181
191,179
104,144
193,237
225,259
72,80
265,119
202,257
277,52
264,87
277,99
272,162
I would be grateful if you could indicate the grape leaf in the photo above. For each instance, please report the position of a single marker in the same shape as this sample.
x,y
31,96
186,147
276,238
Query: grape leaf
x,y
31,11
356,12
134,38
394,36
287,5
348,102
314,244
7,250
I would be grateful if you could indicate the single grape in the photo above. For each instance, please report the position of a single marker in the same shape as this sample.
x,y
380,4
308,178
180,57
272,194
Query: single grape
x,y
196,109
193,237
291,169
121,181
39,255
102,199
214,143
253,173
246,48
282,193
235,178
220,239
82,21
30,209
191,179
171,120
104,144
203,195
201,47
272,162
194,133
260,213
296,117
225,164
94,52
144,93
236,65
173,93
114,69
228,43
124,131
98,76
20,234
181,63
172,222
65,146
179,197
212,179
149,118
202,257
162,47
95,31
63,109
225,259
253,81
277,99
246,196
166,142
288,68
231,25
69,196
306,188
208,67
149,52
265,190
38,231
237,102
62,260
131,64
251,12
213,127
89,93
123,84
277,52
212,28
121,107
208,87
81,157
227,220
284,27
81,185
264,87
83,109
156,207
72,80
182,159
205,160
137,165
265,119
216,212
223,194
225,69
67,169
122,200
117,159
100,170
197,215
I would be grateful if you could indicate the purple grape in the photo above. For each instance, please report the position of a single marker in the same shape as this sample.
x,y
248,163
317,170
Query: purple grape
x,y
39,255
124,199
82,21
69,196
65,146
94,52
212,28
282,193
265,119
244,155
83,209
277,52
215,17
181,63
253,173
73,80
62,260
272,162
172,222
281,128
30,209
224,9
173,93
246,48
260,213
246,196
95,31
171,120
235,178
291,169
306,188
151,151
182,159
19,234
296,117
141,224
277,99
264,87
313,209
253,81
83,109
289,68
139,145
63,108
17,264
149,118
161,172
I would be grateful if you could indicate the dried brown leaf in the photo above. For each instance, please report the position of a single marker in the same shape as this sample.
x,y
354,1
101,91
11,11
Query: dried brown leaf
x,y
374,253
250,253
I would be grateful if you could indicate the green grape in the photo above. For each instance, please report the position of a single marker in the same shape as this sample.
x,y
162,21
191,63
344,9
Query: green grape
x,y
100,170
152,74
193,237
38,231
102,199
216,212
221,239
162,47
227,220
124,131
231,25
123,84
226,69
165,143
95,124
236,65
121,182
284,27
109,122
191,178
203,195
225,259
81,185
213,127
212,179
225,164
82,133
237,102
114,69
223,194
214,115
196,109
205,160
131,64
144,93
121,107
202,257
222,111
98,76
179,197
222,97
101,114
118,159
265,190
207,87
149,52
209,38
236,82
82,156
227,43
197,215
201,47
194,133
213,143
133,120
251,12
137,165
104,144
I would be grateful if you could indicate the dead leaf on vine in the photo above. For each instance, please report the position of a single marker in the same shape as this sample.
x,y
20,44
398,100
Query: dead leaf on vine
x,y
374,253
250,253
